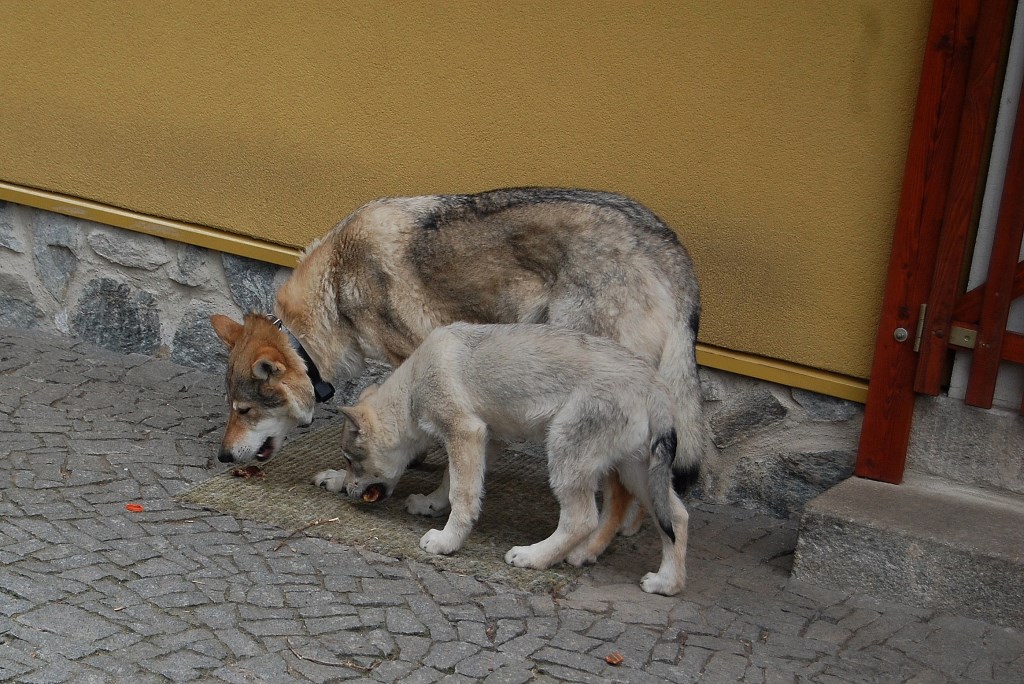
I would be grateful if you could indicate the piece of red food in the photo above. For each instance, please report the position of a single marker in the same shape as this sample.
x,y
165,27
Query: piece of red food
x,y
134,507
248,471
373,493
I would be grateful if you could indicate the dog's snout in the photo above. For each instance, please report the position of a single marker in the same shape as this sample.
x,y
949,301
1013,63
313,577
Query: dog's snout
x,y
225,457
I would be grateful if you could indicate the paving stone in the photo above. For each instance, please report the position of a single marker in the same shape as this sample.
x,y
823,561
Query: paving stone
x,y
184,594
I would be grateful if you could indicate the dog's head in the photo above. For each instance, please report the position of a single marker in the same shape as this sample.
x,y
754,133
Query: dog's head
x,y
375,454
269,392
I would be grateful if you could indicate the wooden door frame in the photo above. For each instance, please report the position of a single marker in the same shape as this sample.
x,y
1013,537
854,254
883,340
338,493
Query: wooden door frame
x,y
955,110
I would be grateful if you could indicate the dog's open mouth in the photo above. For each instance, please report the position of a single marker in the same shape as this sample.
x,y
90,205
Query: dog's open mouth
x,y
266,451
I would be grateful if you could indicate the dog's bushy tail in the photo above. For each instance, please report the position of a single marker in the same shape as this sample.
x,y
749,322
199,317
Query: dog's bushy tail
x,y
678,370
660,478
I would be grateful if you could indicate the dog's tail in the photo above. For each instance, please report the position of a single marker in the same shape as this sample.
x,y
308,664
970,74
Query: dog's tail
x,y
678,370
660,478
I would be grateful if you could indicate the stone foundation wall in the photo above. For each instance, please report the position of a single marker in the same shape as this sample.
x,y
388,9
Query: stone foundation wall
x,y
771,448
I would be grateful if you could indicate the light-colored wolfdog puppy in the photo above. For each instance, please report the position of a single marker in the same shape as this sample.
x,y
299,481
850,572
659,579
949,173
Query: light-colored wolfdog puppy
x,y
397,268
594,405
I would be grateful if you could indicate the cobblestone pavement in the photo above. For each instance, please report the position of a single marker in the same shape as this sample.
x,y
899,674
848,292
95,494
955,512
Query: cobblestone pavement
x,y
90,592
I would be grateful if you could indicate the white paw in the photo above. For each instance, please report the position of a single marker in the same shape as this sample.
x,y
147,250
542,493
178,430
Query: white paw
x,y
331,480
436,541
579,557
653,583
526,557
424,504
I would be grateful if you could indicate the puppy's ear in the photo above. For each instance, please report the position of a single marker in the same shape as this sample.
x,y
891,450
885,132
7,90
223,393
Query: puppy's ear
x,y
227,330
368,392
354,419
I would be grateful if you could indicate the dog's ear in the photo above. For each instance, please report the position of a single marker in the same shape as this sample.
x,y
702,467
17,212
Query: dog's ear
x,y
269,364
227,330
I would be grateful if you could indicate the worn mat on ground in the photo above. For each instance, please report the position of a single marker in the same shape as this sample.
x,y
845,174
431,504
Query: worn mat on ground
x,y
518,509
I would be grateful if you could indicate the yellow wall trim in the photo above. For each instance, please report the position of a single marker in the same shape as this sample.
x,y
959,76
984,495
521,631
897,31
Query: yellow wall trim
x,y
783,373
750,365
189,233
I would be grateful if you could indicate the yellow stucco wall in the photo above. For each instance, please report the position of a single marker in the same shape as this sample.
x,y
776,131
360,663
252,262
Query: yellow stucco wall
x,y
770,134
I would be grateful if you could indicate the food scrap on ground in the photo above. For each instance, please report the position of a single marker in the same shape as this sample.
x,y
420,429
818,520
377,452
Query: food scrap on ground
x,y
373,493
134,507
248,471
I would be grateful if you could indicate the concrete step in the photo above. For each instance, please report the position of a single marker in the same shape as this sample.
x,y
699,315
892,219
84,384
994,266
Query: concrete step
x,y
972,446
925,542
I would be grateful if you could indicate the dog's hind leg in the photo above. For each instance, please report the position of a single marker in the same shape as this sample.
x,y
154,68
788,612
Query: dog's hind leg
x,y
615,502
671,576
466,445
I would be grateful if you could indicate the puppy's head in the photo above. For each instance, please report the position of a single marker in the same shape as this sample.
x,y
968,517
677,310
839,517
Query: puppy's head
x,y
268,390
374,455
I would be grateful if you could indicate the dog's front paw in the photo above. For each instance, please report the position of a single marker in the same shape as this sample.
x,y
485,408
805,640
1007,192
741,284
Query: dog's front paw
x,y
331,480
424,504
654,583
579,557
436,541
526,557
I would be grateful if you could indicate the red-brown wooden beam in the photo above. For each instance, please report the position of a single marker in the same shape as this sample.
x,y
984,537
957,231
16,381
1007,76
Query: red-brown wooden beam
x,y
968,307
890,403
995,302
972,144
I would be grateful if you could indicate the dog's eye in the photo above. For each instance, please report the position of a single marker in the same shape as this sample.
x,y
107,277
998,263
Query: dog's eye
x,y
242,410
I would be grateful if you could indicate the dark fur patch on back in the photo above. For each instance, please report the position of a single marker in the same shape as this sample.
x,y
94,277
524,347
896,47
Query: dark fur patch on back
x,y
695,323
461,207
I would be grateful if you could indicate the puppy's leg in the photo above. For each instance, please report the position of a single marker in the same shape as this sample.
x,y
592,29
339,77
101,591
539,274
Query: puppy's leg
x,y
615,500
576,521
633,519
331,480
466,446
433,504
436,502
671,576
574,462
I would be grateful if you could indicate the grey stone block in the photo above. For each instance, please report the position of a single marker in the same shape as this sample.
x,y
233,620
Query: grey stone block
x,y
744,416
17,304
781,484
116,317
125,248
251,283
924,542
195,344
190,266
55,251
823,408
8,232
973,446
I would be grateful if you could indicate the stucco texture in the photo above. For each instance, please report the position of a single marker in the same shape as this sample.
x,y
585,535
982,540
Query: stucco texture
x,y
771,135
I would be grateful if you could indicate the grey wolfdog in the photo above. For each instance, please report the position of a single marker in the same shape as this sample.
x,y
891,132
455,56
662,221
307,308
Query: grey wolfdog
x,y
397,268
594,405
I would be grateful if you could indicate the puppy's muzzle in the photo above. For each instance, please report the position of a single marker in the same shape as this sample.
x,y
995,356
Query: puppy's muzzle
x,y
225,457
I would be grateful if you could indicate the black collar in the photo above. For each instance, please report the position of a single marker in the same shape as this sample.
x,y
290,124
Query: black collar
x,y
322,390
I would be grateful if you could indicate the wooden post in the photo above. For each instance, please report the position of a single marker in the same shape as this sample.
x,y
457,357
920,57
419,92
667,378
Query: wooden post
x,y
890,403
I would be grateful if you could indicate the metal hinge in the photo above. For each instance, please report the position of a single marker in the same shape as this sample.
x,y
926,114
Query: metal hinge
x,y
963,337
920,327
